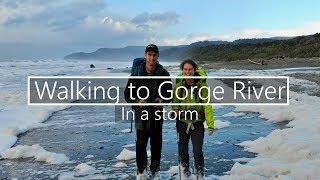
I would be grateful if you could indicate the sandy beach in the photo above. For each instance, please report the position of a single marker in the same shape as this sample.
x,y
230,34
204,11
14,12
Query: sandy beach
x,y
269,64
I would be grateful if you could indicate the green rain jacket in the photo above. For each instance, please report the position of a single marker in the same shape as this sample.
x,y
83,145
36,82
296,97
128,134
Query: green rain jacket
x,y
207,110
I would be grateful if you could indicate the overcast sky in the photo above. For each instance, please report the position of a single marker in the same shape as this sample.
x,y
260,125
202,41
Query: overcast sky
x,y
52,29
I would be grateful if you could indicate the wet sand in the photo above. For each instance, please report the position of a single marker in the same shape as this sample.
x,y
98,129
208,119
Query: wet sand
x,y
269,64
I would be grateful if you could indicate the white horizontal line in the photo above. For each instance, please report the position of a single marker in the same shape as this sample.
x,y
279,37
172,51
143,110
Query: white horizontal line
x,y
157,77
149,104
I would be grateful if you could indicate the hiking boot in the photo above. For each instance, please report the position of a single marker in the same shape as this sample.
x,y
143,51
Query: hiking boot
x,y
186,173
199,172
155,175
141,176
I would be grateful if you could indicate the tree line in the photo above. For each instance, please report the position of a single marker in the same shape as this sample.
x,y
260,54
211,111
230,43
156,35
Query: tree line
x,y
298,47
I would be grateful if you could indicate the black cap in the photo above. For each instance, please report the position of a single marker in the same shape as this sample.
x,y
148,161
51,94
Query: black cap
x,y
152,47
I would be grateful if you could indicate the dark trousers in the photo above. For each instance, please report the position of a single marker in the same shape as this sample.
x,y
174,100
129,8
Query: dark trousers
x,y
142,137
197,136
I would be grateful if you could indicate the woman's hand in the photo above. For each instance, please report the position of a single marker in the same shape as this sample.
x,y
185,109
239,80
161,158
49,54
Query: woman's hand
x,y
210,132
158,100
141,103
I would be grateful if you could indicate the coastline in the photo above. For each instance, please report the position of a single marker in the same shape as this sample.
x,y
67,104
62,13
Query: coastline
x,y
269,64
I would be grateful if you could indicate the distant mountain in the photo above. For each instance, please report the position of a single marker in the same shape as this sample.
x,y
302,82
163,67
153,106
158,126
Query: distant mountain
x,y
182,52
125,53
172,53
176,53
207,43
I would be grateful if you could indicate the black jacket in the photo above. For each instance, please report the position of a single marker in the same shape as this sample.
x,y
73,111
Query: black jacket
x,y
152,85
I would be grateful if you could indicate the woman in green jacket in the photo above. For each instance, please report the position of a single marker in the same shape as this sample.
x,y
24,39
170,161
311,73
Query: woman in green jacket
x,y
190,123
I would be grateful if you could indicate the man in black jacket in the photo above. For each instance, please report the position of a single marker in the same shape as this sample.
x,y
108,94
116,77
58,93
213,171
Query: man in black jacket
x,y
150,128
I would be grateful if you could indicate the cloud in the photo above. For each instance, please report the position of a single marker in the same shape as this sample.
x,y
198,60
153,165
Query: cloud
x,y
76,21
188,39
156,20
121,26
62,24
141,18
16,11
305,29
38,24
166,18
55,16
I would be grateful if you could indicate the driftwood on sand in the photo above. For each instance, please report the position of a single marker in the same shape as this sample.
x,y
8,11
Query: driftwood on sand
x,y
259,62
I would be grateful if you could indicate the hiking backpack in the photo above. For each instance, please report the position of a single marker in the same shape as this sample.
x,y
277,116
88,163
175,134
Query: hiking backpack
x,y
136,66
